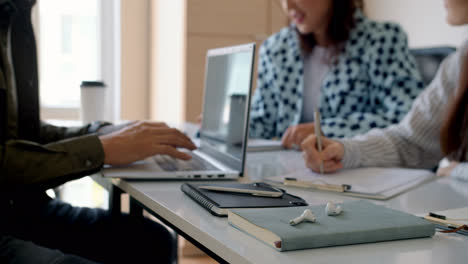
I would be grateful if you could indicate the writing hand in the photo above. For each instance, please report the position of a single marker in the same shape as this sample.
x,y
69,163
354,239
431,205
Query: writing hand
x,y
331,155
446,171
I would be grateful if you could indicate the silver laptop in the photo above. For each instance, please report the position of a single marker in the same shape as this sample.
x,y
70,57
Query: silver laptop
x,y
223,134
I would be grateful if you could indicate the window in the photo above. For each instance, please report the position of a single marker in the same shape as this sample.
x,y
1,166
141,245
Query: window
x,y
69,49
74,40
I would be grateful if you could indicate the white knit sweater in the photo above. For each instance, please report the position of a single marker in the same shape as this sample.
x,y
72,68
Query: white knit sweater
x,y
414,142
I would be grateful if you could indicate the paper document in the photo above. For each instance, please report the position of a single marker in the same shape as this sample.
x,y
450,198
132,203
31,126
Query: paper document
x,y
453,220
283,161
382,183
459,215
372,183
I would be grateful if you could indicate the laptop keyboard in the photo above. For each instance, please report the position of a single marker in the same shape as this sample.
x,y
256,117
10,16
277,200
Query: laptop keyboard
x,y
168,163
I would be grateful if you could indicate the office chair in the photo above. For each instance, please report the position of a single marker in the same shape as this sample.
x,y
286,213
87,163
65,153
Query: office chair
x,y
429,59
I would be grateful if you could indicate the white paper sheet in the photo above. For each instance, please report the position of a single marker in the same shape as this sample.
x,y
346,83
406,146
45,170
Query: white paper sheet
x,y
378,183
365,180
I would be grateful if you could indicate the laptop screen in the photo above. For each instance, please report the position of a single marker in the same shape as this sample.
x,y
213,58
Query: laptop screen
x,y
228,82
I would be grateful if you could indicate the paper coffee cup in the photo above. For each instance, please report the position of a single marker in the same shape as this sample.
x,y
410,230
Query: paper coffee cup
x,y
93,101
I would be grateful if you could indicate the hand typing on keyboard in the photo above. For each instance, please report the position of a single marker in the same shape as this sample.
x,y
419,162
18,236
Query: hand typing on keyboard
x,y
143,139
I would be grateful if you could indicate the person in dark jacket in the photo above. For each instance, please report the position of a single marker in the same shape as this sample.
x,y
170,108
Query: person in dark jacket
x,y
35,156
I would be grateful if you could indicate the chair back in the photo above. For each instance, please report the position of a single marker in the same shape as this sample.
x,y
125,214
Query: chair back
x,y
429,59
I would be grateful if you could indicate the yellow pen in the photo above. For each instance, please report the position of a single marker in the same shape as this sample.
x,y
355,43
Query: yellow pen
x,y
318,134
323,186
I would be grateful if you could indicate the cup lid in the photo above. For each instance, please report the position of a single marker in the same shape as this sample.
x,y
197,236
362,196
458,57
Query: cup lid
x,y
85,84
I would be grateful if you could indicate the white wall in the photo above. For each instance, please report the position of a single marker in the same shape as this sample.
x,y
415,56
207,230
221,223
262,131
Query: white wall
x,y
167,77
423,20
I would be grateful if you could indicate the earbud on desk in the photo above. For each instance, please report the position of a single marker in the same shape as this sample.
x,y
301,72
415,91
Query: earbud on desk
x,y
307,215
333,210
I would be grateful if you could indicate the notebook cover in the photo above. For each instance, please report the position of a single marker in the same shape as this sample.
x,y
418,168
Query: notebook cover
x,y
360,222
209,199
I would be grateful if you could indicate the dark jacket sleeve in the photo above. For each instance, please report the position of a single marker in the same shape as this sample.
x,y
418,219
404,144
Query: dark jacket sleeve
x,y
51,133
26,163
63,154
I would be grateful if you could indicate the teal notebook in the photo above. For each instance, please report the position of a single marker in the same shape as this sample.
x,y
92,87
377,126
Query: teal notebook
x,y
360,222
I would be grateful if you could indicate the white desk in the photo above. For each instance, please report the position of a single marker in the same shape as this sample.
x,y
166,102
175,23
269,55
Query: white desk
x,y
169,203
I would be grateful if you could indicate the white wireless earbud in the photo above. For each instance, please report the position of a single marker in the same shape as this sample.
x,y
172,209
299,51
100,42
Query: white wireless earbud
x,y
332,209
307,215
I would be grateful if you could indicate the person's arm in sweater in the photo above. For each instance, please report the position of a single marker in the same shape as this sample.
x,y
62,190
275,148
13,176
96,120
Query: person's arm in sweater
x,y
413,143
460,171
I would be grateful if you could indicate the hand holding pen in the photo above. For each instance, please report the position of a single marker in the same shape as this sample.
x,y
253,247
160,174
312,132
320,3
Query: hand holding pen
x,y
324,157
318,134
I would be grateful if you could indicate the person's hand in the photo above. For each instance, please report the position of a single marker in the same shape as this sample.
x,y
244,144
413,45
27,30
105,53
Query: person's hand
x,y
143,139
294,135
331,155
112,128
445,171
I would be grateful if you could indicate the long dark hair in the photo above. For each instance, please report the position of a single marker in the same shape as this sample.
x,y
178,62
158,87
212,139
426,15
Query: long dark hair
x,y
454,131
341,24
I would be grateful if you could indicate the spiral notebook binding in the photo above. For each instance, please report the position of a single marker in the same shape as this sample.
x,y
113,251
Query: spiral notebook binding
x,y
198,198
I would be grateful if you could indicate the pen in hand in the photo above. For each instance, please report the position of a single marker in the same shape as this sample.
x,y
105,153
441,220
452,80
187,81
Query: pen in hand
x,y
318,134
